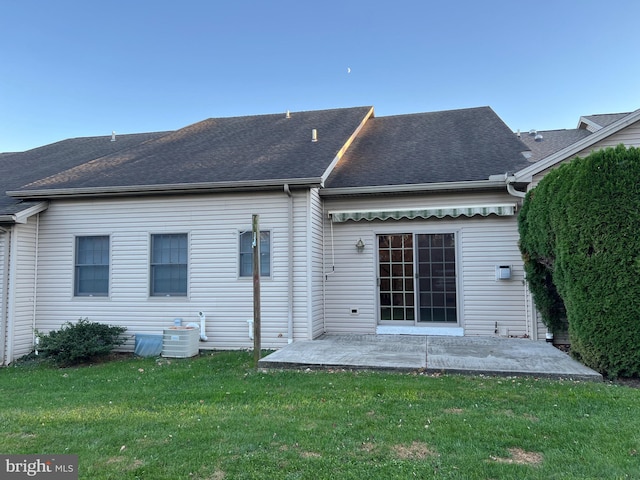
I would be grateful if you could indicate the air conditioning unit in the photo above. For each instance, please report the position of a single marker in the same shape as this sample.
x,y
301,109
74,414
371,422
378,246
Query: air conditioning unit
x,y
180,342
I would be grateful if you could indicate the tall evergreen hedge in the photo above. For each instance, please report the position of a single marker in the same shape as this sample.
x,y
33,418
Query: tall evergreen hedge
x,y
580,240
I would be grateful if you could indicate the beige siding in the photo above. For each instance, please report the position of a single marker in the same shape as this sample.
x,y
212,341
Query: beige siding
x,y
316,257
212,223
4,274
483,242
301,283
629,136
22,289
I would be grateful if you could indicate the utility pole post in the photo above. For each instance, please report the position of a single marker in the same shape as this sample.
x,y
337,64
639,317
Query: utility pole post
x,y
256,288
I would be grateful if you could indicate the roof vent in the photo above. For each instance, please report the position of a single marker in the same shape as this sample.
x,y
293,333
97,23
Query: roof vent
x,y
518,133
314,135
532,132
288,114
113,136
538,137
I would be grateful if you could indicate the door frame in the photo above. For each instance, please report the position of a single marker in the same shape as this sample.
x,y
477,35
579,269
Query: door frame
x,y
403,324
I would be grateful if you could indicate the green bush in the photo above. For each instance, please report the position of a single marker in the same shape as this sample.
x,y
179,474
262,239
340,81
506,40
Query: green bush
x,y
79,342
579,239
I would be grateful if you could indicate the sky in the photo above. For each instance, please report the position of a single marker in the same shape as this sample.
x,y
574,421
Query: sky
x,y
75,68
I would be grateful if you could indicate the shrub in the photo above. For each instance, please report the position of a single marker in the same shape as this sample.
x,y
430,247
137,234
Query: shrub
x,y
579,239
79,342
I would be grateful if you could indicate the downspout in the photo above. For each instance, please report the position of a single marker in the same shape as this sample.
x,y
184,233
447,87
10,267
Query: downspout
x,y
511,189
529,328
287,190
5,294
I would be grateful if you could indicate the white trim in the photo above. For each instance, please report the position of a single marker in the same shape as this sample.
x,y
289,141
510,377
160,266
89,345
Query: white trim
x,y
415,188
23,216
526,174
168,188
440,331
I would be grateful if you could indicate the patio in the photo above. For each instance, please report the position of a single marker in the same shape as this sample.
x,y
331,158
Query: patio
x,y
465,355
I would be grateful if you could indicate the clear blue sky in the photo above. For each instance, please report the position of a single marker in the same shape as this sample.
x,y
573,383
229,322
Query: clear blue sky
x,y
72,68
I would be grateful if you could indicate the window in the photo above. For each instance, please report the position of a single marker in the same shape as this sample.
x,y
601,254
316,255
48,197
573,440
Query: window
x,y
92,266
169,254
246,254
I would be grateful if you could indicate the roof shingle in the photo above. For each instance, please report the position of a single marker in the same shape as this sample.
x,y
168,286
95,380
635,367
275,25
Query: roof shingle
x,y
447,146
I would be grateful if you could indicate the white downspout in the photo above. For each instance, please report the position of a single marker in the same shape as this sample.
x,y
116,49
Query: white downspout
x,y
5,294
511,189
287,190
530,329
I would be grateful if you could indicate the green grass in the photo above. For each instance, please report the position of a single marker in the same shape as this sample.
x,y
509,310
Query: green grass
x,y
215,417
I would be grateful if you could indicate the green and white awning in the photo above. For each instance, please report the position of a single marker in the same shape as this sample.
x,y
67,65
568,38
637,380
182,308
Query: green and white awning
x,y
500,209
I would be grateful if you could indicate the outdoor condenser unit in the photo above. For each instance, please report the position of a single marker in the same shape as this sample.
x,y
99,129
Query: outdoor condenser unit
x,y
180,342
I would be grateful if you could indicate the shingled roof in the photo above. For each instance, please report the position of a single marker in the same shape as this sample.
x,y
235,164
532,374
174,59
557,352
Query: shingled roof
x,y
250,150
551,141
19,169
447,146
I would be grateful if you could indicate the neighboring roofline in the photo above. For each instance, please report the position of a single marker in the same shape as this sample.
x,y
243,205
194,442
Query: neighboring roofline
x,y
165,189
347,144
413,188
589,123
527,173
22,216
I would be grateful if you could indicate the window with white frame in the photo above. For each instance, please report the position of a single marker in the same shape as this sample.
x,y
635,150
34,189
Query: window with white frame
x,y
246,254
92,266
169,264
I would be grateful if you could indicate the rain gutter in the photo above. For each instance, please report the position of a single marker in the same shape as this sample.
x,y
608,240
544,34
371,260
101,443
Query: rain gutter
x,y
203,187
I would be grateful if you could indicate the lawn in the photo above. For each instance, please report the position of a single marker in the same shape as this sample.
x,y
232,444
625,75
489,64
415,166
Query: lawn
x,y
216,417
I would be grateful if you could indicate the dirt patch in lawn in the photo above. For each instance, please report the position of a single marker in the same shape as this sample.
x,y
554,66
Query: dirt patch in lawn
x,y
415,451
520,457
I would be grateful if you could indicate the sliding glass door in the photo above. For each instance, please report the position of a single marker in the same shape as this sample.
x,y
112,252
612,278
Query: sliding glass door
x,y
417,279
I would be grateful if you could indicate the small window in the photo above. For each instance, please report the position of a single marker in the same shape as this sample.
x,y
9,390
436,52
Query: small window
x,y
92,266
246,254
169,254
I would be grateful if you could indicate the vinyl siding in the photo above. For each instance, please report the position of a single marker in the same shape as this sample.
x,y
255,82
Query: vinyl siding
x,y
22,289
301,281
4,274
316,270
482,243
629,136
212,223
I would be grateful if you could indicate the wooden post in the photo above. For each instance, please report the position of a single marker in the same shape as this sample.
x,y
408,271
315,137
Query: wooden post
x,y
256,288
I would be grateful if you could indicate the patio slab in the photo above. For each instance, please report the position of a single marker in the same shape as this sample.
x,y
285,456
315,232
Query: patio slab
x,y
503,356
468,355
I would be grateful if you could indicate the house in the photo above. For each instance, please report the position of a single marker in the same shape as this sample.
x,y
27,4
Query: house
x,y
402,224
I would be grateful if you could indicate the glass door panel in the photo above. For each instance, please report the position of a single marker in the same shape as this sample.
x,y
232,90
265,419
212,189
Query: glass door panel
x,y
396,278
437,278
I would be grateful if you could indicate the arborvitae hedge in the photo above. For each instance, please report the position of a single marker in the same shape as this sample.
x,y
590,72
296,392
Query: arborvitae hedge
x,y
580,240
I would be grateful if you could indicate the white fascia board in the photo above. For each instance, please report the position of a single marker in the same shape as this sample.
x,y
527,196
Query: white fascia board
x,y
414,188
163,189
23,216
526,174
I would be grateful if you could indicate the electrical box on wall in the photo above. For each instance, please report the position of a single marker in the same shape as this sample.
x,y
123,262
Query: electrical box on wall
x,y
503,272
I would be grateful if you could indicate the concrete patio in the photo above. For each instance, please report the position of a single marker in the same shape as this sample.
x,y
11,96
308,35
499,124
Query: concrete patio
x,y
467,355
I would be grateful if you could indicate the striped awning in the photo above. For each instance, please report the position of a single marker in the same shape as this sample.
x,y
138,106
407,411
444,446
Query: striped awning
x,y
500,209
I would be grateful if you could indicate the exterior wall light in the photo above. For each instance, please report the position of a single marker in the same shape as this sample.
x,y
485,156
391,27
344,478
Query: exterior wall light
x,y
360,245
